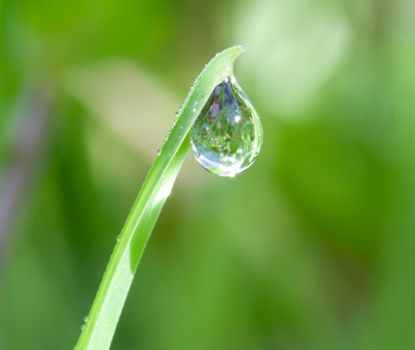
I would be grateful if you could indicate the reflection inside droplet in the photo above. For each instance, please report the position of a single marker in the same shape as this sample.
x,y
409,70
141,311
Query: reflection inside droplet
x,y
227,136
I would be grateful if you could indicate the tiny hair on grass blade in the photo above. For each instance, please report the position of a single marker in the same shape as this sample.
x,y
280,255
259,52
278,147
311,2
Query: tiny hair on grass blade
x,y
106,309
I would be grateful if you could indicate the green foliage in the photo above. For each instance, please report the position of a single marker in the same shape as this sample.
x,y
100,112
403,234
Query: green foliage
x,y
112,293
312,248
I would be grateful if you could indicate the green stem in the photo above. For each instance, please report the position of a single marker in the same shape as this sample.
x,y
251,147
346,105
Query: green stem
x,y
112,293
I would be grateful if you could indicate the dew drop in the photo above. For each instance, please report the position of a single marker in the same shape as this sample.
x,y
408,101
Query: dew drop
x,y
227,135
84,323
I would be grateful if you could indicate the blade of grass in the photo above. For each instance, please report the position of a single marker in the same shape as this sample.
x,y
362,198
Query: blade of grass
x,y
103,317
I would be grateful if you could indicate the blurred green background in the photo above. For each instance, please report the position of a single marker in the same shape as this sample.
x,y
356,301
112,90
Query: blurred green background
x,y
312,248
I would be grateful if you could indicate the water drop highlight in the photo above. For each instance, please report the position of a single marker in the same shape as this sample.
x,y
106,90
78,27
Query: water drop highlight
x,y
227,135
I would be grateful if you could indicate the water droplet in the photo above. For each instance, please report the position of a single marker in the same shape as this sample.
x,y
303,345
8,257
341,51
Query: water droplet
x,y
84,323
227,135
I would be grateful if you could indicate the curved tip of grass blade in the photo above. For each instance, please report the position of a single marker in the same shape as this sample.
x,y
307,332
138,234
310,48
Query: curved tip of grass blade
x,y
106,309
225,60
